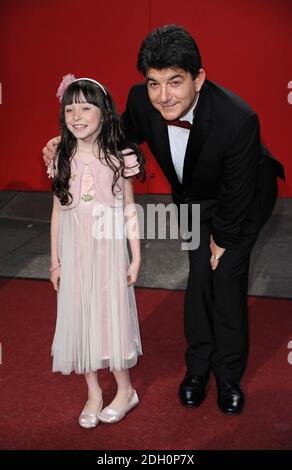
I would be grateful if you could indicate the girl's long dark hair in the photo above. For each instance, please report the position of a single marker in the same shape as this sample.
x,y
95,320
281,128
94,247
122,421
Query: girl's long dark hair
x,y
110,139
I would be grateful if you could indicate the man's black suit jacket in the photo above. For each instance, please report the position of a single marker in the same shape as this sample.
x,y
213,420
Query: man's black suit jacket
x,y
226,168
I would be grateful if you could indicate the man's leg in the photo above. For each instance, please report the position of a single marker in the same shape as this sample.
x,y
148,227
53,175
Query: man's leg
x,y
230,322
198,309
198,323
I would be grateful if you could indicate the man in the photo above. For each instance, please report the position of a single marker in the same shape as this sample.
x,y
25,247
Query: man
x,y
207,142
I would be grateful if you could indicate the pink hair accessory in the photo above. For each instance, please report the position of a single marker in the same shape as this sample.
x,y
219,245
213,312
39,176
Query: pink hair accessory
x,y
67,80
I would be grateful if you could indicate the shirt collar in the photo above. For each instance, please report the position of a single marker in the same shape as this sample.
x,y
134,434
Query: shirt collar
x,y
190,114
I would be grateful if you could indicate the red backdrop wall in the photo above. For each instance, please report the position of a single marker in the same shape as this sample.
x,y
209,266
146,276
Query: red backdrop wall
x,y
245,45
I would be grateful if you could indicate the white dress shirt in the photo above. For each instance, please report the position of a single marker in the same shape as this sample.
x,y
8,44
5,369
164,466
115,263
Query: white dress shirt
x,y
178,141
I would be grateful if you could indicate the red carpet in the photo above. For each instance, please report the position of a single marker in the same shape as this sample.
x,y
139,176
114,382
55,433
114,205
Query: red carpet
x,y
39,410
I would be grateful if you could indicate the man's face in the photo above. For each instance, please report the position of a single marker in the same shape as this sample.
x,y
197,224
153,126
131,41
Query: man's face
x,y
172,91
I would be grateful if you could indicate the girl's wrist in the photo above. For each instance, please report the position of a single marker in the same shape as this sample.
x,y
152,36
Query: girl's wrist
x,y
54,267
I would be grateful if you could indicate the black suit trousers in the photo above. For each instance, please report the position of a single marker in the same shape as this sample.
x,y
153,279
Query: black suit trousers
x,y
215,316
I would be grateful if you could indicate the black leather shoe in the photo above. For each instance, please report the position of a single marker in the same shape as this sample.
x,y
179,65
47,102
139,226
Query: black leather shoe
x,y
230,397
192,390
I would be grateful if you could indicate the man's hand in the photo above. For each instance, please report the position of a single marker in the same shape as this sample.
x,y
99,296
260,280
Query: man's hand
x,y
49,151
217,252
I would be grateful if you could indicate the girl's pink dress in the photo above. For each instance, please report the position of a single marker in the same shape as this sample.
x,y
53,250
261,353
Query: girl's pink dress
x,y
97,323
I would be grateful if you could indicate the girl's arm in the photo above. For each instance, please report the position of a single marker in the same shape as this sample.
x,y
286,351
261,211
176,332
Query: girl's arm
x,y
55,273
132,228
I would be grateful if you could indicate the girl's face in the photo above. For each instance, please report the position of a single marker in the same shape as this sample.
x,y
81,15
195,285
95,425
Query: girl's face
x,y
83,120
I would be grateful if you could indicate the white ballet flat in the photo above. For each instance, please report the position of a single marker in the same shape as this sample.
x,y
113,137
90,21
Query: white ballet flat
x,y
90,420
109,415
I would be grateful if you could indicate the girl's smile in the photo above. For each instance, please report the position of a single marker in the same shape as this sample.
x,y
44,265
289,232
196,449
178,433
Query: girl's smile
x,y
83,120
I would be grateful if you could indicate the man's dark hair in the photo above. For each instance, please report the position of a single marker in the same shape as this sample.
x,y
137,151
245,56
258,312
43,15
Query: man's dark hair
x,y
169,46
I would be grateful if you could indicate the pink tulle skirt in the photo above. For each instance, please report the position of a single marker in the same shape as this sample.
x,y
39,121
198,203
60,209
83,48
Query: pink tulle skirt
x,y
97,324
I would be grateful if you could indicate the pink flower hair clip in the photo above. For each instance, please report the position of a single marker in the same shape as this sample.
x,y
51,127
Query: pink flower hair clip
x,y
67,80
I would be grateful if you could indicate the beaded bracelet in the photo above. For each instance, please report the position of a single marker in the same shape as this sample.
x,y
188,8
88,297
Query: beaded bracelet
x,y
51,269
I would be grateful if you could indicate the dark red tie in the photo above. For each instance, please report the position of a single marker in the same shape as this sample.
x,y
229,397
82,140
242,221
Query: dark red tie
x,y
179,123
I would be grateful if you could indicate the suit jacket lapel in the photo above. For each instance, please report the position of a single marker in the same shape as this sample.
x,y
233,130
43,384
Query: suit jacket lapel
x,y
198,135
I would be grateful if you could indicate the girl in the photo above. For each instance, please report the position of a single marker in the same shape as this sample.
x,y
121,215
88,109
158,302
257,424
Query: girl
x,y
97,323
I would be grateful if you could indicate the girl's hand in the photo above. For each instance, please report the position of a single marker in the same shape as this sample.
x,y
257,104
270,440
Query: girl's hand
x,y
133,271
55,278
217,252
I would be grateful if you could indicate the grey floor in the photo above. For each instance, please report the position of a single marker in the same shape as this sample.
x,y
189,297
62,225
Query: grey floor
x,y
25,246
